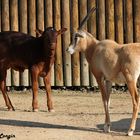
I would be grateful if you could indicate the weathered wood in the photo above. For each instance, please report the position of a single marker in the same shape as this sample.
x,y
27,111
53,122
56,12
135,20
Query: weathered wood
x,y
136,20
128,21
101,19
58,61
76,56
40,24
119,21
110,32
14,27
24,77
0,15
40,14
92,29
107,22
5,27
84,64
48,13
48,19
66,40
32,16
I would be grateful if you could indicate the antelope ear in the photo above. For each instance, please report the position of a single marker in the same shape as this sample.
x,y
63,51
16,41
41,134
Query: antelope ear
x,y
61,31
38,32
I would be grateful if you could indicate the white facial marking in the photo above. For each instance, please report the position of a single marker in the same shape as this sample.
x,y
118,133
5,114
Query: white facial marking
x,y
74,46
71,50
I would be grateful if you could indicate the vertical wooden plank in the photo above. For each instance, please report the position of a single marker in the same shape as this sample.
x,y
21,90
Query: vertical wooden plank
x,y
101,19
66,40
31,6
5,27
14,27
48,13
84,64
76,56
40,24
92,29
110,34
0,15
24,77
119,21
136,20
128,21
32,17
58,60
49,22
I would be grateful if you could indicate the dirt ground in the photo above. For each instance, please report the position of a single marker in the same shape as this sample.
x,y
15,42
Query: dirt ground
x,y
77,116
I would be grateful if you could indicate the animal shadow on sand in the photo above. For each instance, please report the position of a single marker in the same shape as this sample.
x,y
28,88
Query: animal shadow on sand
x,y
21,123
117,128
122,126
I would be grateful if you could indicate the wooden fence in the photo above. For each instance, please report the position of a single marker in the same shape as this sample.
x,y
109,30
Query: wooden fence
x,y
114,19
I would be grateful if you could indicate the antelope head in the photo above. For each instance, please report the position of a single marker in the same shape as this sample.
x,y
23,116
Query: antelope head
x,y
79,40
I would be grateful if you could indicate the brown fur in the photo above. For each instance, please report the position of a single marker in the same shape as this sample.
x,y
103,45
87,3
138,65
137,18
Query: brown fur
x,y
20,51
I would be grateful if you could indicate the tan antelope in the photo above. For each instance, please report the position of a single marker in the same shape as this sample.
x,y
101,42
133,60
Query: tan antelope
x,y
110,62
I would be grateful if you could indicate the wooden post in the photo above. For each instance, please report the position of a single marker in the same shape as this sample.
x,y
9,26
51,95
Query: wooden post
x,y
128,21
119,21
14,27
76,56
58,60
32,18
48,13
49,22
84,64
24,77
6,27
0,15
40,25
101,19
92,29
137,20
110,19
66,41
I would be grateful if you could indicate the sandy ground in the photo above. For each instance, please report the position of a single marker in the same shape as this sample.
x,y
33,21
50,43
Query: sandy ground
x,y
77,116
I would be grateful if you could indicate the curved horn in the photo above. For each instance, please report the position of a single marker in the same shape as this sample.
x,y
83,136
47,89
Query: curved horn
x,y
87,17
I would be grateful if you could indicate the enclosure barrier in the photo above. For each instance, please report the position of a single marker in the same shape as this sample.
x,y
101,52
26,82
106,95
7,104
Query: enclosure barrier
x,y
114,19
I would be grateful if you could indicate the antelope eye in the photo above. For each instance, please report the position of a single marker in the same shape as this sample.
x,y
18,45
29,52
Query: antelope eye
x,y
52,29
75,39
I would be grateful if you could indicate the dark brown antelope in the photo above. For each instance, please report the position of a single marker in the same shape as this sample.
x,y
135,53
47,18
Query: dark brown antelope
x,y
110,62
20,51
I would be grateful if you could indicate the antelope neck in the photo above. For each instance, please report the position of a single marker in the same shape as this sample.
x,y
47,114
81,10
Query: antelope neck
x,y
91,43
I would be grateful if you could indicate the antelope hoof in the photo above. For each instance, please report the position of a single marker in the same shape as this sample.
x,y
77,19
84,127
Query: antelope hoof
x,y
130,132
107,128
35,110
51,110
10,108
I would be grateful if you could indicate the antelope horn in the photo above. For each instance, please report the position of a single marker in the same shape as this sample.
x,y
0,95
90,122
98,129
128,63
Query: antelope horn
x,y
87,17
